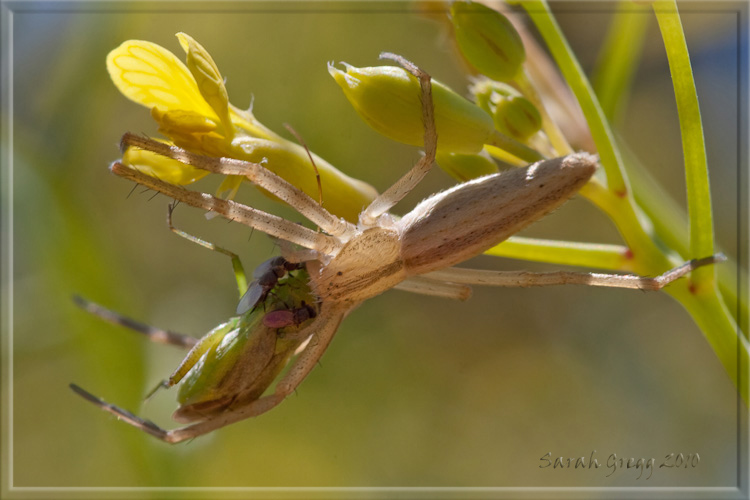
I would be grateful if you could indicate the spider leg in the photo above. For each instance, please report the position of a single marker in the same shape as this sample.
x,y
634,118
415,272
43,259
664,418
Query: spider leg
x,y
122,414
298,256
435,288
257,219
405,184
527,279
152,333
239,271
257,174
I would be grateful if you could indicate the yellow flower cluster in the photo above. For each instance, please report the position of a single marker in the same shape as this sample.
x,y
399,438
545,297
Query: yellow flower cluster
x,y
190,104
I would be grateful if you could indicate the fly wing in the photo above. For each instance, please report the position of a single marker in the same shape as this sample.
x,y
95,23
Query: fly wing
x,y
251,298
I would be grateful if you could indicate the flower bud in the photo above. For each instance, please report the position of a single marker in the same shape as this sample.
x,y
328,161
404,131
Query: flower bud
x,y
488,40
517,117
466,167
486,93
513,114
388,99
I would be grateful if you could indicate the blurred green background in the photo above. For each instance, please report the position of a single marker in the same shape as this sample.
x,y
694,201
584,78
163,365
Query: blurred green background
x,y
413,391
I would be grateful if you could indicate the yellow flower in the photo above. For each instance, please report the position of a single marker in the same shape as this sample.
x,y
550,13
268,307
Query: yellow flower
x,y
161,167
191,106
152,76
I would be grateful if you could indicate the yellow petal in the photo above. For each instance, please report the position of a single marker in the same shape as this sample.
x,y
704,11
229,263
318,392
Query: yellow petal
x,y
161,167
152,76
210,82
229,187
185,121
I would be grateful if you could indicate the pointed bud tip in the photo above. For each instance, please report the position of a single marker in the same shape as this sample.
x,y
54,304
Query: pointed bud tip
x,y
184,40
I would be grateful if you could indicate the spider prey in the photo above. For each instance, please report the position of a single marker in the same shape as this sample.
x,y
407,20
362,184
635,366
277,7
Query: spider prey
x,y
348,264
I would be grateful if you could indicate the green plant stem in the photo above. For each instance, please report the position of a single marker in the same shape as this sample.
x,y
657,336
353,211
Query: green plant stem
x,y
504,156
670,227
693,143
700,298
722,332
667,217
540,14
611,257
514,147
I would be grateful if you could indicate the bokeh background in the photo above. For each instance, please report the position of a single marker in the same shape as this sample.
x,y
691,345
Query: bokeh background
x,y
414,391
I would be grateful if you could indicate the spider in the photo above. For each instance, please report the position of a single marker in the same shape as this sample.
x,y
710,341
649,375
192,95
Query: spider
x,y
350,263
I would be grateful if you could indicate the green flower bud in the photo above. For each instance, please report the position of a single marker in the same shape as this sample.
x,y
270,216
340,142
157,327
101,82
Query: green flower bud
x,y
488,40
388,99
517,117
513,114
466,167
487,92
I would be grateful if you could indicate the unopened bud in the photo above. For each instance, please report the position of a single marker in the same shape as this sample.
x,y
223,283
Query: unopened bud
x,y
514,115
388,99
517,117
464,167
488,40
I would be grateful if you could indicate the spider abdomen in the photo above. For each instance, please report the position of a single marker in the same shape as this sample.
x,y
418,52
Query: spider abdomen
x,y
455,225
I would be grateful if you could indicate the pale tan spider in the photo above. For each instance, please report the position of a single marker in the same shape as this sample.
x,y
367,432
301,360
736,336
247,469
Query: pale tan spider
x,y
349,263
